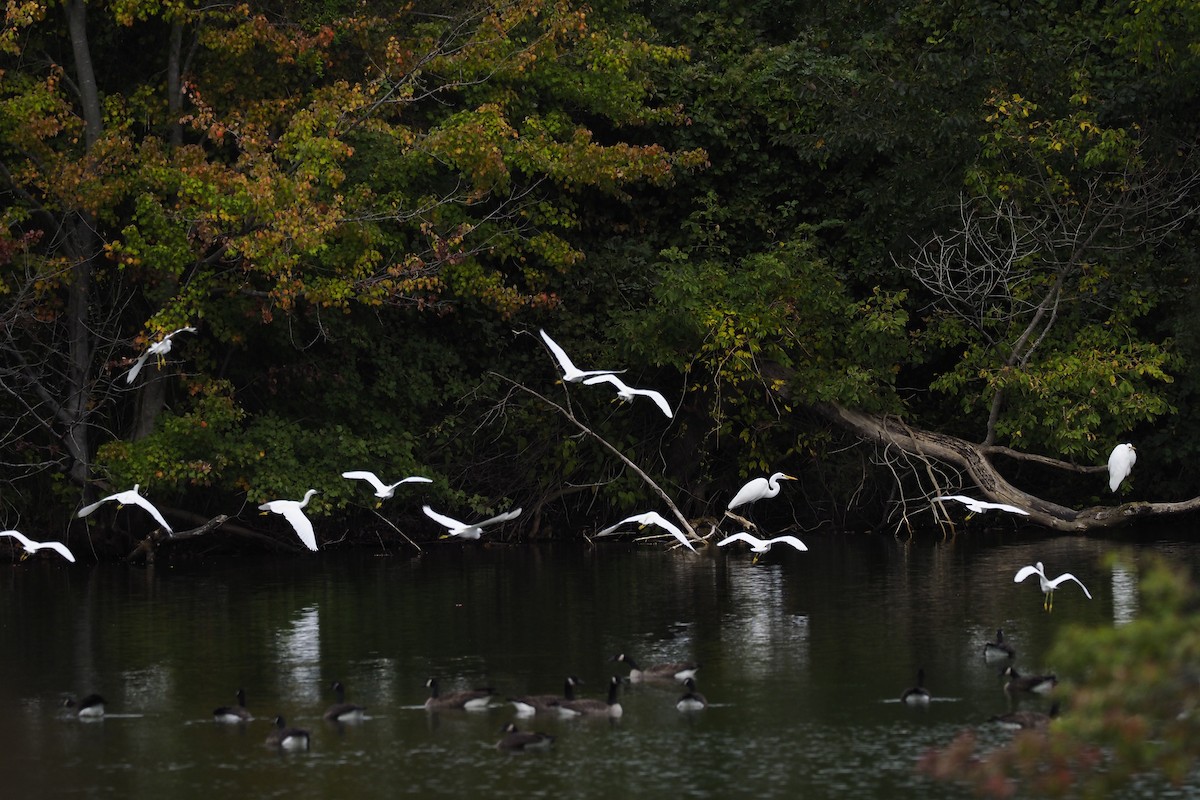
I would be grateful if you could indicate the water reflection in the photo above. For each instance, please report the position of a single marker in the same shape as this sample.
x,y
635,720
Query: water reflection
x,y
802,657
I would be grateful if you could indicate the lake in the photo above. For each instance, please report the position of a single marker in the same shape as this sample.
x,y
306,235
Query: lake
x,y
803,658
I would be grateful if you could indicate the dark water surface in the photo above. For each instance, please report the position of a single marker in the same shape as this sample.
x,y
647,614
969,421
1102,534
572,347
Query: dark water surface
x,y
803,658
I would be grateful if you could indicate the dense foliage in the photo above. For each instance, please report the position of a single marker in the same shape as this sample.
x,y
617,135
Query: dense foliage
x,y
976,216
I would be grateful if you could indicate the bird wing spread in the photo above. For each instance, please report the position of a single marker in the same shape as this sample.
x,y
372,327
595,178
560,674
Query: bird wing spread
x,y
740,537
1066,576
1025,572
363,475
450,523
302,524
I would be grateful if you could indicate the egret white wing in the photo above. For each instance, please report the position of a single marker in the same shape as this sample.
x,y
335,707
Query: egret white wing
x,y
369,477
657,397
1066,576
792,540
505,517
611,528
137,367
138,500
302,525
449,522
1025,572
741,537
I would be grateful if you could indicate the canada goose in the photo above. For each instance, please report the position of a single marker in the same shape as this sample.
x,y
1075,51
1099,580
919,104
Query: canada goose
x,y
1041,684
657,672
917,695
998,650
287,738
234,714
1048,586
341,711
471,700
90,707
523,740
691,699
533,703
1029,720
590,707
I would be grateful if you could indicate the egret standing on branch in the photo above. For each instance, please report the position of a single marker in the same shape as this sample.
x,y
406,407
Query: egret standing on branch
x,y
290,509
129,497
758,489
1120,464
1048,586
159,348
571,374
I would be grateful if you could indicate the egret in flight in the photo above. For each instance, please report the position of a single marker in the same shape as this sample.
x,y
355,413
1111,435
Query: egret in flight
x,y
291,511
626,393
761,547
980,506
129,497
32,547
464,529
382,490
651,518
571,374
1120,464
159,348
1048,586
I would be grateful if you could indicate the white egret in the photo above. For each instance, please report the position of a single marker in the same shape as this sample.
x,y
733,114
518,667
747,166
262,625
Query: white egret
x,y
651,518
676,671
467,530
32,547
980,506
1120,464
382,490
758,489
917,695
523,740
998,650
341,711
129,497
234,714
469,700
287,738
627,393
571,374
1039,684
593,708
1048,586
761,547
159,348
691,699
291,511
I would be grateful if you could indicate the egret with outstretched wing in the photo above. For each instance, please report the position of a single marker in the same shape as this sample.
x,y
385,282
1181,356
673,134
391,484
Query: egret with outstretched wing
x,y
626,392
467,530
32,547
1048,586
293,513
129,497
652,518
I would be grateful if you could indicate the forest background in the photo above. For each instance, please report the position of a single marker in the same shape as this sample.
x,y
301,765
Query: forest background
x,y
894,250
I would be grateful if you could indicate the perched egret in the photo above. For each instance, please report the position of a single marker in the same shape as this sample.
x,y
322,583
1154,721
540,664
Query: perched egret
x,y
980,506
467,530
691,699
917,695
758,489
1026,720
129,497
593,708
382,490
570,373
159,348
32,547
341,711
1039,684
998,650
523,740
627,393
761,547
234,714
287,738
678,671
290,509
1120,464
469,700
1048,586
651,518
